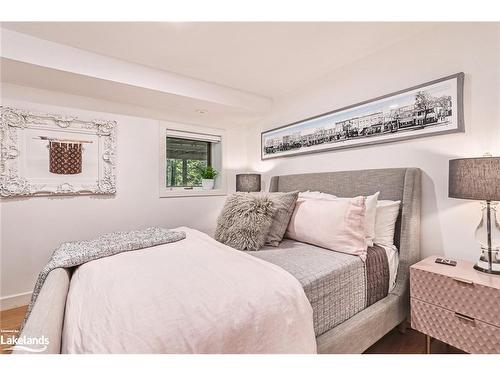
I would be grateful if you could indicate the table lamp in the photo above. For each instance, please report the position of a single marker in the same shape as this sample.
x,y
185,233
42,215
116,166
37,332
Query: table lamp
x,y
248,182
479,179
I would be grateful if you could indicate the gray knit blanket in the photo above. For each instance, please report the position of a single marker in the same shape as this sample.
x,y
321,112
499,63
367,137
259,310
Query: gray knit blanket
x,y
72,254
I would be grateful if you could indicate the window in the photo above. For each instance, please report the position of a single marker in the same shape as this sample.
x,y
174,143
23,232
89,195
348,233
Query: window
x,y
185,159
183,155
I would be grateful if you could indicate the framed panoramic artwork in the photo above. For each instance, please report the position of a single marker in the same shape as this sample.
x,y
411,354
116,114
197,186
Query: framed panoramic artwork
x,y
428,109
49,154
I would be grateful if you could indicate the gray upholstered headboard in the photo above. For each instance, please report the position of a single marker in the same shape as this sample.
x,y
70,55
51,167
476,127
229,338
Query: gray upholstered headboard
x,y
395,184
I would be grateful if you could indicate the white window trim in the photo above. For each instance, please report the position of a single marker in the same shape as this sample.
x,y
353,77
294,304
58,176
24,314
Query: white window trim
x,y
165,192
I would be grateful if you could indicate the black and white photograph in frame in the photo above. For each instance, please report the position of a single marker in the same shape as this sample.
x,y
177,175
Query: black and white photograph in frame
x,y
428,109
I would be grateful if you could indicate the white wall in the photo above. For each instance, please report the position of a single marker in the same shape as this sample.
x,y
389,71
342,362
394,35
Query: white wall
x,y
33,227
447,224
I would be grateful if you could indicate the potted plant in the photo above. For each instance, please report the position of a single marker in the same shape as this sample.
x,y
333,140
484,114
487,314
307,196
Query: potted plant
x,y
208,175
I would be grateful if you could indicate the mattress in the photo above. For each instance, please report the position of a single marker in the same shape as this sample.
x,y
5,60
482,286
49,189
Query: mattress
x,y
337,285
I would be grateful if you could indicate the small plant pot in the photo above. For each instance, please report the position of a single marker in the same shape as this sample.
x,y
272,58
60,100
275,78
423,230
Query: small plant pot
x,y
207,184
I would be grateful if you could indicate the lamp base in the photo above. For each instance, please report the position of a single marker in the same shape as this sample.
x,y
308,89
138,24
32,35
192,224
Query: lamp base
x,y
485,270
488,236
485,265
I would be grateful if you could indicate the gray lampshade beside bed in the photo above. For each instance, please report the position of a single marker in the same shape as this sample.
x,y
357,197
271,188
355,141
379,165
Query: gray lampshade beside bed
x,y
248,182
475,178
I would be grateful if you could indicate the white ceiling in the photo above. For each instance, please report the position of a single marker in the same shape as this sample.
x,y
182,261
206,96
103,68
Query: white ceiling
x,y
268,59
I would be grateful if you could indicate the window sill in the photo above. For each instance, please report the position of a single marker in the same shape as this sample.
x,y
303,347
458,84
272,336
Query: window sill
x,y
192,193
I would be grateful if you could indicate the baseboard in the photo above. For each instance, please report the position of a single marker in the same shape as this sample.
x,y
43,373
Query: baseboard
x,y
14,300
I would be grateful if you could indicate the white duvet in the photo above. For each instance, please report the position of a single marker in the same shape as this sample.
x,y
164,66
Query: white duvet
x,y
191,296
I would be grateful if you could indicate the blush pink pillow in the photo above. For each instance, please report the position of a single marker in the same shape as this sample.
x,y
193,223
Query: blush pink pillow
x,y
333,224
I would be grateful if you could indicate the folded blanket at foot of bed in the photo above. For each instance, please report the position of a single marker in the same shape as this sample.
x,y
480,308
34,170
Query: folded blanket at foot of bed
x,y
72,254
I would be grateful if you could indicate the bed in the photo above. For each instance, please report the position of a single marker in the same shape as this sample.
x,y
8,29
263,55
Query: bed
x,y
350,330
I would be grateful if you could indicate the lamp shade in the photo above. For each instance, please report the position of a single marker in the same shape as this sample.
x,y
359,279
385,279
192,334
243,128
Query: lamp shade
x,y
248,182
475,178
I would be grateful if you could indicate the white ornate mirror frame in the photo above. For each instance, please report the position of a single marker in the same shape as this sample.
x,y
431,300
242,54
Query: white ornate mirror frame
x,y
13,179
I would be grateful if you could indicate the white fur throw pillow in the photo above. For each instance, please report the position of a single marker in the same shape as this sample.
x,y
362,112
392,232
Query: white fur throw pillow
x,y
245,221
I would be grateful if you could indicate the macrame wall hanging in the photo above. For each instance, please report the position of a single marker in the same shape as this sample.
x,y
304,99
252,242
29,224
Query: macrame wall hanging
x,y
65,155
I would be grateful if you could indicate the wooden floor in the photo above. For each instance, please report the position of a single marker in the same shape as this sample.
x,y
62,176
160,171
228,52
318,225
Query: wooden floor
x,y
411,342
10,323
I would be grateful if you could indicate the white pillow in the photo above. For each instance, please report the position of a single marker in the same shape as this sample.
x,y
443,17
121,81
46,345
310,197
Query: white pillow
x,y
371,210
385,221
371,215
335,224
315,195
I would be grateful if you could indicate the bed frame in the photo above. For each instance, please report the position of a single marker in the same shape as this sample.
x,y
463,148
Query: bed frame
x,y
354,335
359,332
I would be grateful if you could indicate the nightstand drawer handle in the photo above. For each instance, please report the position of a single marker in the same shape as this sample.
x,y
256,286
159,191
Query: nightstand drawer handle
x,y
462,280
464,317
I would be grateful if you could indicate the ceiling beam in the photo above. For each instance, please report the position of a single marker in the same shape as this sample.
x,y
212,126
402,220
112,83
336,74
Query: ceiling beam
x,y
27,49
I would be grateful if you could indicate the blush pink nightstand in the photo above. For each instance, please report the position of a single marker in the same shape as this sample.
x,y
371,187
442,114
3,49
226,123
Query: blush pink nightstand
x,y
456,305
